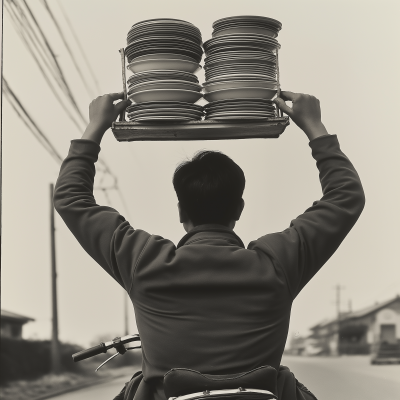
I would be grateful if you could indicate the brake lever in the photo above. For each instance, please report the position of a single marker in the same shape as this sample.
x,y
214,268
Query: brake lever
x,y
115,355
108,359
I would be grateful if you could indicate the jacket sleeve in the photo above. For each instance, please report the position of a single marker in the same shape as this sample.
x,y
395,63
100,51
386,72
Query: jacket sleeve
x,y
105,234
313,237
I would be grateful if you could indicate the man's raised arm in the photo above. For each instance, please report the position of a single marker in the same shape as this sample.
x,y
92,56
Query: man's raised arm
x,y
100,230
302,249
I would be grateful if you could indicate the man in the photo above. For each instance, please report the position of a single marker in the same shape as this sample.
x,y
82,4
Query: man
x,y
210,304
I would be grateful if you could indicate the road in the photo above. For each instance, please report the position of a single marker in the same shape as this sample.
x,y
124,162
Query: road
x,y
346,378
341,378
103,391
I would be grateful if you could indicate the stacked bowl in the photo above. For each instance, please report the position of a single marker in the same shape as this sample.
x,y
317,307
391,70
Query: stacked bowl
x,y
163,55
241,68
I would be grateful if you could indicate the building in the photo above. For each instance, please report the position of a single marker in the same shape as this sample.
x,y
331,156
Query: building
x,y
11,324
358,332
296,345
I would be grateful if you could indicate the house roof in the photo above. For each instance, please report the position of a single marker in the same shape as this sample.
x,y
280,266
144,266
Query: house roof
x,y
8,315
357,314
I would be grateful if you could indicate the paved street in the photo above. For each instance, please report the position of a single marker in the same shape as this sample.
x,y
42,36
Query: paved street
x,y
341,378
104,391
346,378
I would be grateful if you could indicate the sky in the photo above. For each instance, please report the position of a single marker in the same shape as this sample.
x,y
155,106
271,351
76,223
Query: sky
x,y
343,52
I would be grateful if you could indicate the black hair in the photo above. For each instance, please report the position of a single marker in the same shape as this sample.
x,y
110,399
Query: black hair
x,y
209,187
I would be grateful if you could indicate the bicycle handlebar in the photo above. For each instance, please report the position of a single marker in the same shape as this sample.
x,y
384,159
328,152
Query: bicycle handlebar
x,y
103,347
87,353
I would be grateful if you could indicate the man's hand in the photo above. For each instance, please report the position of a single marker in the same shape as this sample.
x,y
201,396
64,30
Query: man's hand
x,y
305,112
102,113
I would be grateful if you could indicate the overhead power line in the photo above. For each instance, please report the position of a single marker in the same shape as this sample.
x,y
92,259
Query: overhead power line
x,y
26,118
43,54
83,54
39,53
62,78
69,92
29,122
61,33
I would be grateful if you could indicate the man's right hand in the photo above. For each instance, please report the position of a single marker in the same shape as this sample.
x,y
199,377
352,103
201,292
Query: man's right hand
x,y
305,112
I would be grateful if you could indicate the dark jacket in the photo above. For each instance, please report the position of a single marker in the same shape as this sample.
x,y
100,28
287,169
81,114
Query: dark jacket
x,y
209,303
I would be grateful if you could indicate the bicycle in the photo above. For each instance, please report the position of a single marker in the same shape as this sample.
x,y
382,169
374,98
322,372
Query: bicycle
x,y
186,384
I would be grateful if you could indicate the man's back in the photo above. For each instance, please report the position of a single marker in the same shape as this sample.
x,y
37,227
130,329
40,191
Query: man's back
x,y
209,303
212,306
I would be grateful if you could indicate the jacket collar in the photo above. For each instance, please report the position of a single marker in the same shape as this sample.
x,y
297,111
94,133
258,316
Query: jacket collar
x,y
202,230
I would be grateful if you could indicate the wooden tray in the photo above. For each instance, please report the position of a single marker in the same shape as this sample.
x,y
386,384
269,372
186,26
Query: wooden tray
x,y
199,130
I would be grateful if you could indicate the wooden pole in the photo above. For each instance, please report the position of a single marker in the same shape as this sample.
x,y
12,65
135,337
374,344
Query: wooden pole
x,y
55,348
339,316
126,319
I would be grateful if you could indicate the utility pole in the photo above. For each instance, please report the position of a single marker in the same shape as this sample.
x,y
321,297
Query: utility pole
x,y
338,289
55,348
126,313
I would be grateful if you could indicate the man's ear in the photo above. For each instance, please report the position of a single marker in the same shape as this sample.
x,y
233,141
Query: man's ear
x,y
183,217
239,210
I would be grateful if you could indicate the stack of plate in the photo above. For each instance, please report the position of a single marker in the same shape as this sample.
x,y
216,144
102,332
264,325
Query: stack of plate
x,y
237,109
247,24
164,111
241,68
163,55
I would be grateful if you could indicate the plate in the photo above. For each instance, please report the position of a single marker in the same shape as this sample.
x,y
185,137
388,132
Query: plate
x,y
227,118
240,77
188,96
133,47
152,50
169,115
238,37
164,81
158,79
166,41
242,112
240,56
218,74
183,33
248,18
164,104
260,31
239,66
164,118
246,47
147,76
236,65
166,111
172,21
241,109
165,25
238,84
240,101
240,92
157,75
239,61
165,85
165,64
162,56
246,53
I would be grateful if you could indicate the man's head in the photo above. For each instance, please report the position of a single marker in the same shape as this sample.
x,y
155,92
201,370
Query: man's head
x,y
209,189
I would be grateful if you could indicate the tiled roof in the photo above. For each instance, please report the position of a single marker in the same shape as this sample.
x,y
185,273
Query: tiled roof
x,y
356,314
16,317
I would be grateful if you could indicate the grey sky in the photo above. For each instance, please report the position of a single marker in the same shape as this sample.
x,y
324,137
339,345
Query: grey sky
x,y
343,52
